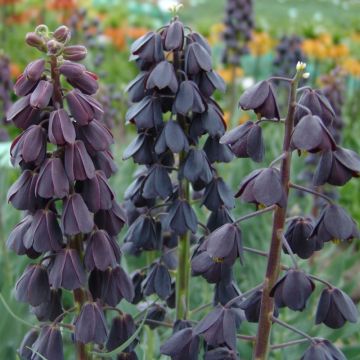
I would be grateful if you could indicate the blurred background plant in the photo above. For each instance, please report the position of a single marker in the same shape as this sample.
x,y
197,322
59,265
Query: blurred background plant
x,y
325,32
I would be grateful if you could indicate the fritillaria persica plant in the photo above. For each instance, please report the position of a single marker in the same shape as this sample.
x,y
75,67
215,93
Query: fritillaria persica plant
x,y
173,109
71,216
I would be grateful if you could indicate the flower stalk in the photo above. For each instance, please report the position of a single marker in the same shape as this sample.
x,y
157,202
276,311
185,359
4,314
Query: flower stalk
x,y
273,265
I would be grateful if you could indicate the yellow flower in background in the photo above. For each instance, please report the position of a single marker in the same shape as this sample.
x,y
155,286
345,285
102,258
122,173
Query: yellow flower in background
x,y
261,43
351,66
228,73
227,118
355,36
244,118
215,33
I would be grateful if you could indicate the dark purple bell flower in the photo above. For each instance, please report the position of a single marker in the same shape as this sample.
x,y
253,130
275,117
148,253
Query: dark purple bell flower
x,y
141,149
86,82
210,81
90,325
221,353
155,312
261,98
298,237
173,36
111,220
334,224
27,343
318,104
293,290
15,240
219,327
217,194
211,121
96,136
158,281
246,141
101,251
323,349
251,307
198,38
42,94
136,88
148,48
137,277
335,308
33,286
50,309
67,271
52,181
225,244
71,69
157,183
218,218
122,328
183,344
44,233
78,163
189,98
97,193
24,85
49,344
162,76
262,187
76,217
22,114
181,217
34,70
172,137
310,134
197,167
196,59
337,167
226,290
144,233
146,114
61,129
29,146
103,160
83,108
74,52
22,192
216,151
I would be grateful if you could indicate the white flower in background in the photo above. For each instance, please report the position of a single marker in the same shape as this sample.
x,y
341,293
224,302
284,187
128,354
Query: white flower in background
x,y
246,82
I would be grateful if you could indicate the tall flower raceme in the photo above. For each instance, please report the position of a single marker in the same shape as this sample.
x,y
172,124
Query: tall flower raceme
x,y
238,24
173,110
5,91
307,123
71,216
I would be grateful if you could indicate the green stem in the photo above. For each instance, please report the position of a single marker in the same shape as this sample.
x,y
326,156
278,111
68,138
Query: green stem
x,y
261,348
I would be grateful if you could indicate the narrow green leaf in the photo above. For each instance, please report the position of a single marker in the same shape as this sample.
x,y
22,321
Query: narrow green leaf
x,y
37,353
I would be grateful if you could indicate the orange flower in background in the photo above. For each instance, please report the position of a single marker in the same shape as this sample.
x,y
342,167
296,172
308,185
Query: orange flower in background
x,y
23,17
62,4
119,35
244,118
261,43
15,71
351,66
227,118
228,73
8,2
135,32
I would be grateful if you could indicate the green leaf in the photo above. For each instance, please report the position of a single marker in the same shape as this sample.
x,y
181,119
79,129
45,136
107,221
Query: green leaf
x,y
38,354
122,347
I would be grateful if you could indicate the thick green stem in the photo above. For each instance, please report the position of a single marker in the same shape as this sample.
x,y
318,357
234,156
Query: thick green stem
x,y
273,265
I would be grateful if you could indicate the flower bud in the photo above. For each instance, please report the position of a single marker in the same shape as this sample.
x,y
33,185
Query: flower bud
x,y
62,34
54,47
75,53
35,40
35,69
42,94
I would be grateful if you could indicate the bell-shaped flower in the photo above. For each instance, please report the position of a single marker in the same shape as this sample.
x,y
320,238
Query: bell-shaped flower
x,y
136,88
189,98
157,183
27,343
90,325
50,309
52,181
42,94
86,82
49,344
196,59
141,149
172,137
218,218
246,141
33,286
111,220
24,86
148,47
310,134
337,167
158,281
181,217
162,76
218,194
76,217
101,251
221,353
323,349
263,187
103,160
173,36
67,271
16,237
210,81
61,129
293,290
216,151
335,308
261,98
22,114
